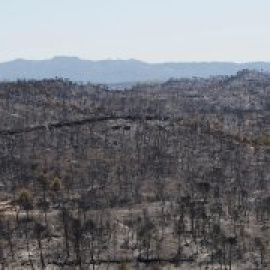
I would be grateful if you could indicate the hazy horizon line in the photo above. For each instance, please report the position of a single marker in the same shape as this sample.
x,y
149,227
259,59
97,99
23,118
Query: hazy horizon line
x,y
138,60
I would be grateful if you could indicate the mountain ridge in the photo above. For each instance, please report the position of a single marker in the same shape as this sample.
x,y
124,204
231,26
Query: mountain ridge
x,y
118,71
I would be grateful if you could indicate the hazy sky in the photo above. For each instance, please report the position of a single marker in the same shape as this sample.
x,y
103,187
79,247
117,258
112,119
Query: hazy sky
x,y
150,30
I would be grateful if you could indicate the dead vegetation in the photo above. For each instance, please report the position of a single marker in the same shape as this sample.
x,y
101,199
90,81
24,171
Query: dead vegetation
x,y
162,177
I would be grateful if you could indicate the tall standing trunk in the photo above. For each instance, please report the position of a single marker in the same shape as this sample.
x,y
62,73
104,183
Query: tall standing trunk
x,y
41,253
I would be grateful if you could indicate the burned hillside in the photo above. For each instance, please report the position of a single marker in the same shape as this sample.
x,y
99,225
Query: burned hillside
x,y
163,175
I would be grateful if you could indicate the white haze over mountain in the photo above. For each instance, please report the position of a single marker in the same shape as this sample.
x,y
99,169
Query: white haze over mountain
x,y
118,71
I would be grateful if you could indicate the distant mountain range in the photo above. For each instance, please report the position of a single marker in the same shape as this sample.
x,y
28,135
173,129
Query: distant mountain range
x,y
118,71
